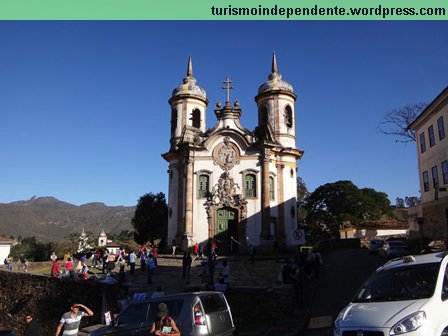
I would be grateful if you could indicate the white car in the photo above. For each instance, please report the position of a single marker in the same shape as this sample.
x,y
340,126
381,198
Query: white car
x,y
407,296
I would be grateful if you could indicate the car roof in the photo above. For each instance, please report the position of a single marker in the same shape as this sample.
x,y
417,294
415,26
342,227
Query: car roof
x,y
170,297
414,260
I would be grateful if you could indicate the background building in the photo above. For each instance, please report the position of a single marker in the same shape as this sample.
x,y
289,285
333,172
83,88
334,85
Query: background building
x,y
432,149
229,184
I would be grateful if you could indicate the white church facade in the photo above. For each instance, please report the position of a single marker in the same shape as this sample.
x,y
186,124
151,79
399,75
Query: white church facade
x,y
228,184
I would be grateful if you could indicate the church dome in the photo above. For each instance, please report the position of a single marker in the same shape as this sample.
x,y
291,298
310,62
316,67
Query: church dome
x,y
275,81
189,87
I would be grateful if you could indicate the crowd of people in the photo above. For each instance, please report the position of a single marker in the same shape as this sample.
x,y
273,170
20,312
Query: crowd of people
x,y
22,263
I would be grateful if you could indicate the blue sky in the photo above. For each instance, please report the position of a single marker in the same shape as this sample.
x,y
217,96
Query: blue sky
x,y
84,111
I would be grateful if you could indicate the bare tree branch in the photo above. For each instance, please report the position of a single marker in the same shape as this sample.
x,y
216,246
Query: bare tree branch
x,y
396,122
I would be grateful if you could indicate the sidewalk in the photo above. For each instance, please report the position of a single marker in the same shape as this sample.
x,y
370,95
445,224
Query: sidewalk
x,y
262,274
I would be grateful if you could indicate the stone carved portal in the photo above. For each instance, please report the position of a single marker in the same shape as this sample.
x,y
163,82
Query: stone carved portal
x,y
226,213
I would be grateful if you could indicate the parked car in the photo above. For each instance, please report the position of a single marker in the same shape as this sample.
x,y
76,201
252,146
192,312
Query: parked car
x,y
195,314
393,249
5,331
406,296
374,245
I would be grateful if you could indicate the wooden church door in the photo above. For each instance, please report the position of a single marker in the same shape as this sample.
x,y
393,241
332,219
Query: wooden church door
x,y
227,220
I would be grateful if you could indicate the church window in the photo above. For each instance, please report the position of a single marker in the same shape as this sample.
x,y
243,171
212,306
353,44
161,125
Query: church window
x,y
203,185
263,116
173,120
250,183
441,128
445,171
271,188
422,143
432,139
435,177
196,118
288,116
425,181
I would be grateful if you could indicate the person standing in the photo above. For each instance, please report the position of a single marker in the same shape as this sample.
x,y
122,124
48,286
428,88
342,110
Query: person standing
x,y
151,266
104,259
174,247
32,326
70,320
196,250
251,254
186,265
23,263
55,268
142,259
201,251
213,249
10,263
225,273
155,254
53,256
132,259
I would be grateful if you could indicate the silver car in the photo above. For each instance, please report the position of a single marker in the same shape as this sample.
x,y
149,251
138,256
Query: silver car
x,y
195,314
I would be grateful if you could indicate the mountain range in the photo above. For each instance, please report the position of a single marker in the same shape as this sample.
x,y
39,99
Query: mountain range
x,y
49,219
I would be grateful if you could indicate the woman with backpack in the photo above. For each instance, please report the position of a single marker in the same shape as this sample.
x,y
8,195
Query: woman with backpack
x,y
164,325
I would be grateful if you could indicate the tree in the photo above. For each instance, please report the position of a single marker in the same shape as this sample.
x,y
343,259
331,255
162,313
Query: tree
x,y
32,249
396,122
412,201
302,194
150,220
334,203
399,202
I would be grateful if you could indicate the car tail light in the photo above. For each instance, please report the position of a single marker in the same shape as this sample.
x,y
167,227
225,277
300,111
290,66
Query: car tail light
x,y
199,317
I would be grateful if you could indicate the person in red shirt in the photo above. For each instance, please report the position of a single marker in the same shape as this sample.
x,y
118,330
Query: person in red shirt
x,y
196,250
155,254
55,268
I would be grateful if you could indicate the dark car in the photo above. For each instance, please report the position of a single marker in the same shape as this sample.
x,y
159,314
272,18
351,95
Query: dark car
x,y
394,249
374,245
195,314
5,331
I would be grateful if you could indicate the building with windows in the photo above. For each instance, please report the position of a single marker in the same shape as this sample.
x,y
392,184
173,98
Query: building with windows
x,y
432,147
228,184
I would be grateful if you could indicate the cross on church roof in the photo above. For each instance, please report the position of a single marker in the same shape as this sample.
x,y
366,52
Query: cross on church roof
x,y
227,87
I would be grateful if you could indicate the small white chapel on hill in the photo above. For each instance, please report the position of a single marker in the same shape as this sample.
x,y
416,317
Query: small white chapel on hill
x,y
228,184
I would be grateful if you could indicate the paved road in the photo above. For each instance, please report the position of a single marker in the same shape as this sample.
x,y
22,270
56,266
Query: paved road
x,y
342,274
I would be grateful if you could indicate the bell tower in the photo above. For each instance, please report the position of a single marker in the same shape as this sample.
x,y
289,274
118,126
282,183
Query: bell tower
x,y
276,108
188,110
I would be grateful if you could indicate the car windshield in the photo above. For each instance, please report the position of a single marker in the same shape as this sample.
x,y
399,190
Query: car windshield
x,y
409,282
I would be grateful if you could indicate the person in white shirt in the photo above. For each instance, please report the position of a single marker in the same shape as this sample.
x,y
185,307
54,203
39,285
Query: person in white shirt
x,y
132,259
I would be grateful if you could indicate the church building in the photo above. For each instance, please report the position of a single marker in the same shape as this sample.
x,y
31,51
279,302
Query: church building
x,y
228,184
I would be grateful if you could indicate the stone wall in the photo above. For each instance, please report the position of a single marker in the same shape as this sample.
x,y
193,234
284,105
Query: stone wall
x,y
48,298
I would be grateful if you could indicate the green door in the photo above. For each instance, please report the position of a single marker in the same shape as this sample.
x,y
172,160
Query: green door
x,y
226,228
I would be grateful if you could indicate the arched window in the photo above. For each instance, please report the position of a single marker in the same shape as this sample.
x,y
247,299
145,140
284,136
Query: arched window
x,y
196,118
271,188
173,120
288,116
263,116
203,184
250,185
